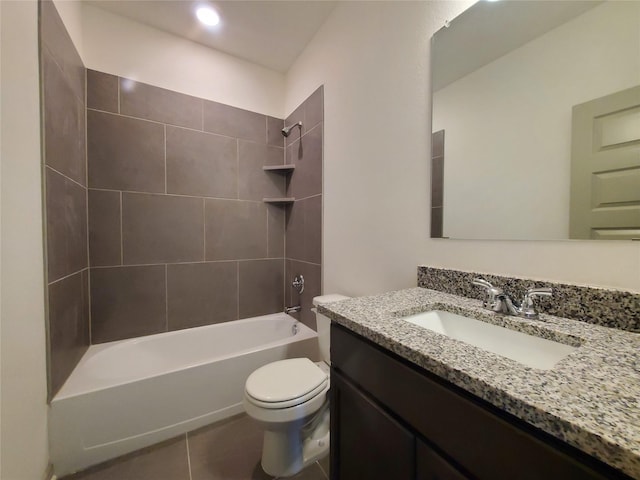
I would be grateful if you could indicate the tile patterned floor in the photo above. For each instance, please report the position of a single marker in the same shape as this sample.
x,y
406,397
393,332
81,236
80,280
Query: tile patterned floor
x,y
229,450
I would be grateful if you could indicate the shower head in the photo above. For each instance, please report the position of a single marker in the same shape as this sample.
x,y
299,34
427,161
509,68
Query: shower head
x,y
286,131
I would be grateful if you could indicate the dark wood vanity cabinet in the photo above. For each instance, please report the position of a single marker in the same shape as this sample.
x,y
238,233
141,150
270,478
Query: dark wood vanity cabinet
x,y
391,420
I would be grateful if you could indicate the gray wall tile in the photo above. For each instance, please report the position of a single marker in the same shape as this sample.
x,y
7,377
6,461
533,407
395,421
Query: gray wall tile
x,y
202,294
295,238
437,181
125,153
306,155
253,182
235,229
201,164
105,234
127,302
55,38
313,229
68,326
158,104
161,229
304,230
62,76
436,222
102,91
437,144
234,122
261,290
274,132
312,288
64,123
276,221
66,207
314,108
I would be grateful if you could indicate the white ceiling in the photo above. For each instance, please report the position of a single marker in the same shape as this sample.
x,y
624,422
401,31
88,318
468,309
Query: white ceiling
x,y
268,33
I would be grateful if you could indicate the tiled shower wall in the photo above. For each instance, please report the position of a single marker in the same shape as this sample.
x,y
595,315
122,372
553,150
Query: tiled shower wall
x,y
178,233
304,217
65,184
160,194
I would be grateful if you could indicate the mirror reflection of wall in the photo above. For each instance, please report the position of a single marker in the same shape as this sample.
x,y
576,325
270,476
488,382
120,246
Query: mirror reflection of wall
x,y
508,123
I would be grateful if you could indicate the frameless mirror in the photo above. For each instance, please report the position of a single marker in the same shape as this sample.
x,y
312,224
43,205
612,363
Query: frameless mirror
x,y
536,121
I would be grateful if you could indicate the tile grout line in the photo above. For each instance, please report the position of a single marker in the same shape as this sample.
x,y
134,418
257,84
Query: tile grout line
x,y
189,263
237,289
326,475
67,276
186,439
165,160
86,167
305,261
65,176
173,194
180,126
307,198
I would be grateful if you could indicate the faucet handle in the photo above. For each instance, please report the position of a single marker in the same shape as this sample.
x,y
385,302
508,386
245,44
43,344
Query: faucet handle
x,y
493,301
528,310
481,282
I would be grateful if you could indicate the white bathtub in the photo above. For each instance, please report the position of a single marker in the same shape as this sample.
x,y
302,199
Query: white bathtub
x,y
129,394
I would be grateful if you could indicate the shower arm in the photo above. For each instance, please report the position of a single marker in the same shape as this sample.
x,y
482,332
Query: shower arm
x,y
286,131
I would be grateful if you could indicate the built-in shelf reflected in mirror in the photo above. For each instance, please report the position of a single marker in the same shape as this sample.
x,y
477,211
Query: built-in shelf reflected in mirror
x,y
538,106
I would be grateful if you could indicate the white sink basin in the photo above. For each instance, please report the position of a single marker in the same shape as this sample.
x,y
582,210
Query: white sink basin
x,y
531,351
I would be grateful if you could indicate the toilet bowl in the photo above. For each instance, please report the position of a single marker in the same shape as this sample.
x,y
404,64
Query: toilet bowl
x,y
289,398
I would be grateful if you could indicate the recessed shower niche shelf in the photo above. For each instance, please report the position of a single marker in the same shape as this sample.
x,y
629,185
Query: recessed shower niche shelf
x,y
279,168
279,201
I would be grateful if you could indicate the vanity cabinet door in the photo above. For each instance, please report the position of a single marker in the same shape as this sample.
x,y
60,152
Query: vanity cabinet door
x,y
431,466
481,439
366,443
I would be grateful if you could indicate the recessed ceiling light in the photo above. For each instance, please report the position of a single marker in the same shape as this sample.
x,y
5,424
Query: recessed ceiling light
x,y
208,16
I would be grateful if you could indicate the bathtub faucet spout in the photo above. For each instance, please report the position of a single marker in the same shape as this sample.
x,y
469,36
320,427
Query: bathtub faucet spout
x,y
291,310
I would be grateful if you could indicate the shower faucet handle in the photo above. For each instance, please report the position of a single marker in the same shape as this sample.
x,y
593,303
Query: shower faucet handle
x,y
298,283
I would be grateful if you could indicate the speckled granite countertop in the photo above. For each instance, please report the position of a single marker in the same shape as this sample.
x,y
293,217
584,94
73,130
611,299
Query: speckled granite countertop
x,y
590,399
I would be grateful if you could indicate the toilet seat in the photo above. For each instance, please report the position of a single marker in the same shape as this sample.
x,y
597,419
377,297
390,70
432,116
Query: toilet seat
x,y
285,383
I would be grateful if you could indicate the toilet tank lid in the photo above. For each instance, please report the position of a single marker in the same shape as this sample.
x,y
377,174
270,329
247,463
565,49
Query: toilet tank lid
x,y
333,297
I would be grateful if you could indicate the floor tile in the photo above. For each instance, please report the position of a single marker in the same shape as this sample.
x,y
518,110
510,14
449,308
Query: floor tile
x,y
165,461
230,450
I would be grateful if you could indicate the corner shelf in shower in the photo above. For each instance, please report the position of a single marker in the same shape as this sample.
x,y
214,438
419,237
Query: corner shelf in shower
x,y
279,201
279,168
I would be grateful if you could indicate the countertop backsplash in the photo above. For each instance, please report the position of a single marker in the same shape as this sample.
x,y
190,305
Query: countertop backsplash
x,y
610,308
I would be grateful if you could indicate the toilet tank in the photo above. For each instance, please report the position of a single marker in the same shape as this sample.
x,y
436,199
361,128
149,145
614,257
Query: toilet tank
x,y
324,323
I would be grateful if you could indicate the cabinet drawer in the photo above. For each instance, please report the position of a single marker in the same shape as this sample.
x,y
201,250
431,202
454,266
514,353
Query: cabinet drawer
x,y
482,440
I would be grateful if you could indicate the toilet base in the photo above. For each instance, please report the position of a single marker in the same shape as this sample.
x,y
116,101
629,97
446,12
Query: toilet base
x,y
285,452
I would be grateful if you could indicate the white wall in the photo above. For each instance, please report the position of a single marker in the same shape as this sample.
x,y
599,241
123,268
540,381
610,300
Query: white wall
x,y
373,60
117,45
70,12
523,101
23,410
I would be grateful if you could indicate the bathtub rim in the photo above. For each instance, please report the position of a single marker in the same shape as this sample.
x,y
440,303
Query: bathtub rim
x,y
304,332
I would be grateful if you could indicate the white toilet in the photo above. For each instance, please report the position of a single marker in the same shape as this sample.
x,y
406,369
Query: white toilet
x,y
290,399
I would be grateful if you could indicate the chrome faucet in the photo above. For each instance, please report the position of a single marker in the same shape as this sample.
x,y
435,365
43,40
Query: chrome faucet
x,y
498,301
